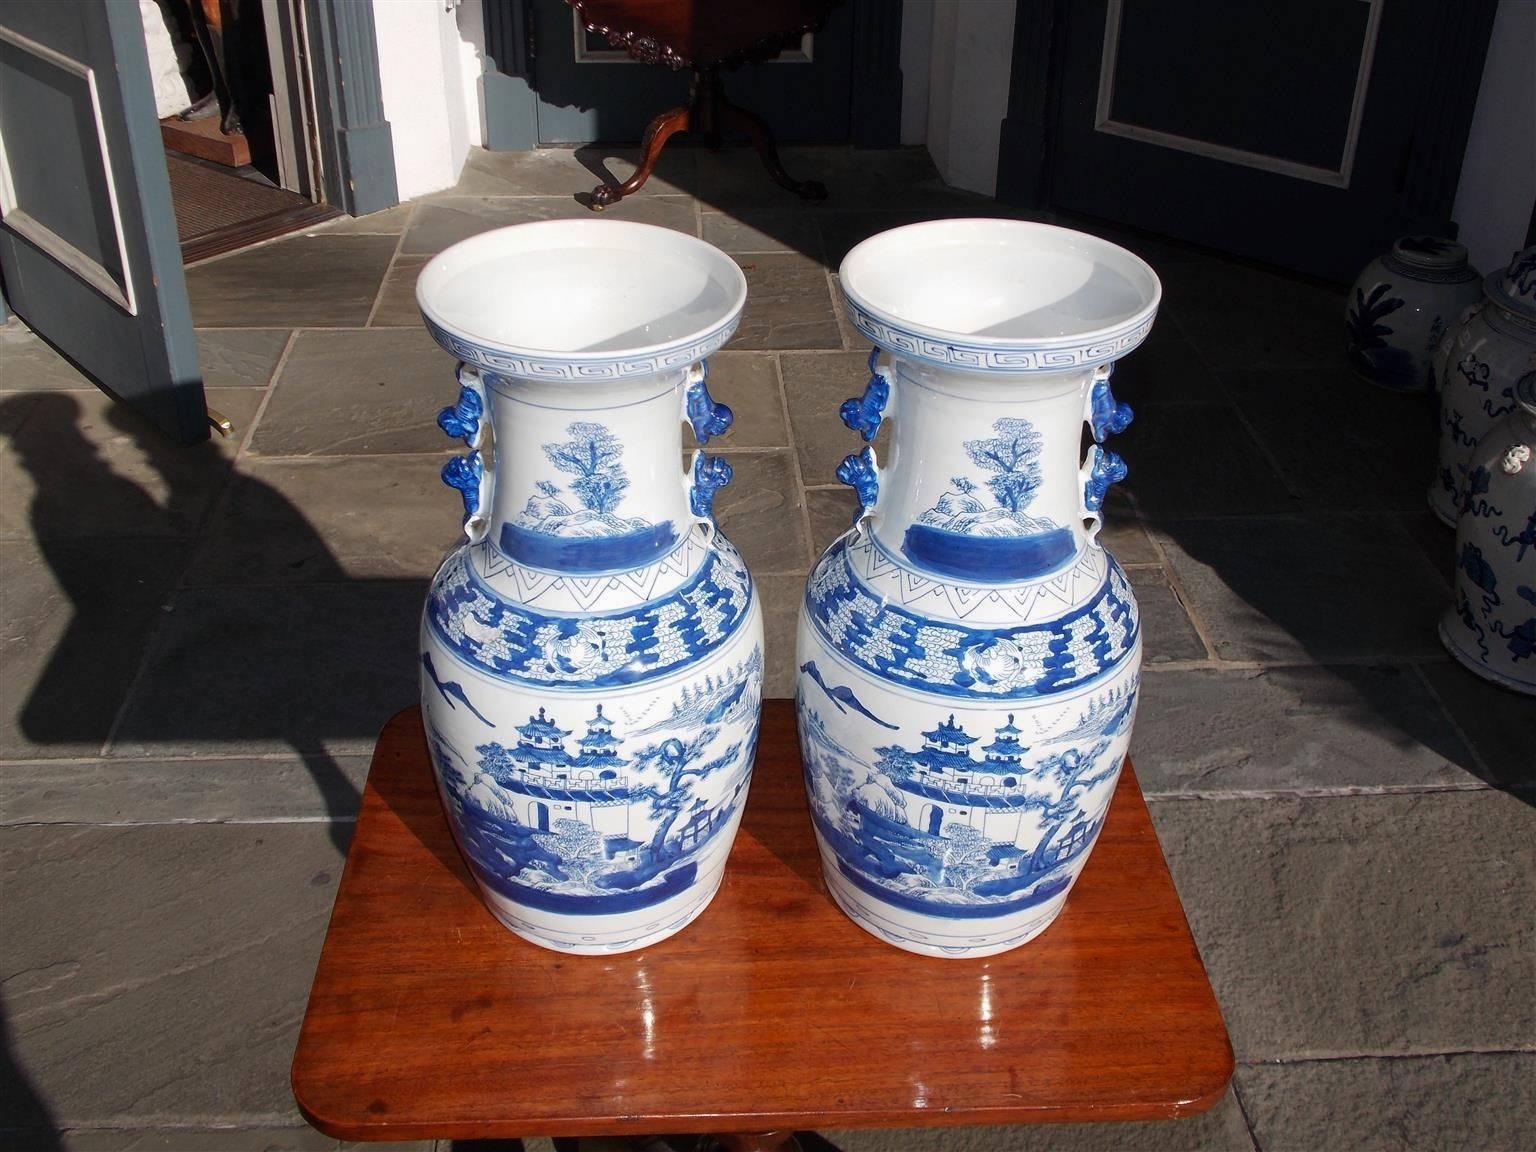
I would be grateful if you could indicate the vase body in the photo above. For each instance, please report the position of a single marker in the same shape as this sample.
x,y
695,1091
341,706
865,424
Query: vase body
x,y
1491,627
968,653
592,654
1477,368
1401,307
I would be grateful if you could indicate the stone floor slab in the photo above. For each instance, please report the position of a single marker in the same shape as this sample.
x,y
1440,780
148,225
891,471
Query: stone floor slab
x,y
748,382
286,1139
29,364
1498,722
240,357
1337,728
338,519
769,230
1167,633
569,172
157,976
358,393
733,180
1241,316
1197,460
181,791
385,222
1166,369
441,222
1361,925
1480,1102
789,305
762,512
310,669
1221,1129
396,306
831,511
1298,589
303,282
1338,442
78,617
79,465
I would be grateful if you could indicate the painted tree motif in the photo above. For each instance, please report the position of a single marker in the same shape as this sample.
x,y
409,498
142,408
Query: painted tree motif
x,y
579,847
1014,459
965,856
592,455
680,769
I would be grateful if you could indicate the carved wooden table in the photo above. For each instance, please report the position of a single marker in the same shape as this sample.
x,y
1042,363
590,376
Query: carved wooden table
x,y
707,36
772,1012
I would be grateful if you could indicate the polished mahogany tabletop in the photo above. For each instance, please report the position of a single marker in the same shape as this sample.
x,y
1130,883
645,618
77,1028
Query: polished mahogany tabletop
x,y
772,1011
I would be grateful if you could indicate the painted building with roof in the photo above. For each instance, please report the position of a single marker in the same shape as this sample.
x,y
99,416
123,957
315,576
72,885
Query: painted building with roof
x,y
950,781
548,783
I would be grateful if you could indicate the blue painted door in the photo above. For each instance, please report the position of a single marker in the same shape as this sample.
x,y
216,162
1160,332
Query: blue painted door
x,y
88,245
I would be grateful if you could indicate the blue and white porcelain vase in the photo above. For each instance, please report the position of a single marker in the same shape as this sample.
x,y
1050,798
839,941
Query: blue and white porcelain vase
x,y
1491,627
1402,305
969,654
592,655
1477,369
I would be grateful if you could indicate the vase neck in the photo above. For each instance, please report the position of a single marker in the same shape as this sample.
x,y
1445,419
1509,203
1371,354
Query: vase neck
x,y
982,482
588,478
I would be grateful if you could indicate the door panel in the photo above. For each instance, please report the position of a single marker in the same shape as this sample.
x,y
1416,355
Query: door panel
x,y
88,241
1284,132
590,92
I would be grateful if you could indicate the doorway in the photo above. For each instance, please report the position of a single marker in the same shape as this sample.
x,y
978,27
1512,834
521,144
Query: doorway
x,y
233,101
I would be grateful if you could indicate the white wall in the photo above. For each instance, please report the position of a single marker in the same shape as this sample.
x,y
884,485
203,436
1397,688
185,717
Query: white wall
x,y
969,75
1498,175
429,79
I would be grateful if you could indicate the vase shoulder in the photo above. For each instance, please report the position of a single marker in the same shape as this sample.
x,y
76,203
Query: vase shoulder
x,y
972,643
532,628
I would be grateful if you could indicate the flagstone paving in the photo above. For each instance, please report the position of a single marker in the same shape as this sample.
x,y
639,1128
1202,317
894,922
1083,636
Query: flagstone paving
x,y
200,645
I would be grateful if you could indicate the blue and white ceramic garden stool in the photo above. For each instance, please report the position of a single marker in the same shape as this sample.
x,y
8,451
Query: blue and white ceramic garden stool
x,y
968,653
592,655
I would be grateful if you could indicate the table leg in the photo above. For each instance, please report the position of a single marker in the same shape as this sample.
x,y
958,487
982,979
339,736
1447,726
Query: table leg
x,y
782,1141
657,133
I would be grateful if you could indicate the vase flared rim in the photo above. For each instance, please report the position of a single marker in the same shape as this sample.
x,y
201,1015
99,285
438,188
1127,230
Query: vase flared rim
x,y
999,295
581,299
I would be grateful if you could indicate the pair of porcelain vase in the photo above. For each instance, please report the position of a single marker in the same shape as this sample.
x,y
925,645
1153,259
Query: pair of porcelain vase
x,y
968,654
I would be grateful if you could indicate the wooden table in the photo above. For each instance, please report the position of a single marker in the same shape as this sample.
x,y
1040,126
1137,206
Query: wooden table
x,y
773,1011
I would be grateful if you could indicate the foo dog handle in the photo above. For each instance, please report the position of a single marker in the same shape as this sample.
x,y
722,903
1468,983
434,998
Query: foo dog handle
x,y
707,474
468,419
1107,417
864,415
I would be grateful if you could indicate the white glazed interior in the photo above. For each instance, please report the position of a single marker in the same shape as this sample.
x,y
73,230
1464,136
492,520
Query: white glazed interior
x,y
573,288
1003,282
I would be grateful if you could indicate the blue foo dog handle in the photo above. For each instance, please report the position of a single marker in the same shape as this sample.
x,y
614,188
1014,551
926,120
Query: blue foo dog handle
x,y
1106,417
708,419
864,415
468,419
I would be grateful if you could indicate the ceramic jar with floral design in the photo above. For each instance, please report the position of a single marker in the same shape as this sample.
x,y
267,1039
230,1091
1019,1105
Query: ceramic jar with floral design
x,y
1401,306
1477,369
1491,628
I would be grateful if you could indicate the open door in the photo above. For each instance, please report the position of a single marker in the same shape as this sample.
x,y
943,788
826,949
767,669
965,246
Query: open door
x,y
88,245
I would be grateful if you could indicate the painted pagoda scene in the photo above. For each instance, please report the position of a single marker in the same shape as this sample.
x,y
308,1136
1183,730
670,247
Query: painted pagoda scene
x,y
569,823
966,819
